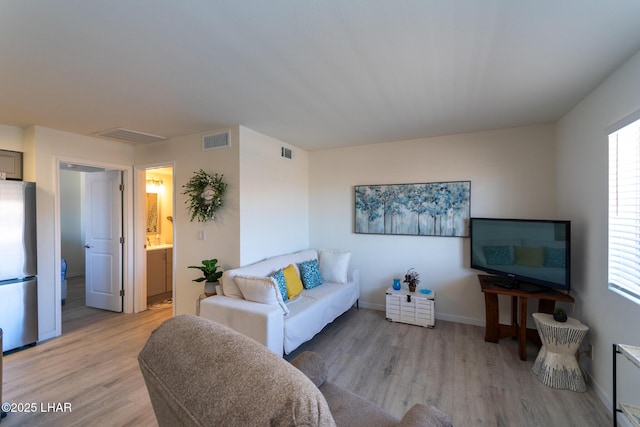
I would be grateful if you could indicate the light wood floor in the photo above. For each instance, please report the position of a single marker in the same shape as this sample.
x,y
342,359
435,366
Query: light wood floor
x,y
94,367
451,367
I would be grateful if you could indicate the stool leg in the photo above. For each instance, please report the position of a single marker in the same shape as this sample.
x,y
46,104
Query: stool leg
x,y
615,402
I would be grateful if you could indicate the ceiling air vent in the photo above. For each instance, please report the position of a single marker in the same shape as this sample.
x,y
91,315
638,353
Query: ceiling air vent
x,y
131,136
218,140
286,153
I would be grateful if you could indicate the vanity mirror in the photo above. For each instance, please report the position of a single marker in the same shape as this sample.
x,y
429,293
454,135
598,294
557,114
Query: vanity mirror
x,y
153,223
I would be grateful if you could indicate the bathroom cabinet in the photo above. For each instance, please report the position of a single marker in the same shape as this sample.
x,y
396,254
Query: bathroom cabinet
x,y
159,273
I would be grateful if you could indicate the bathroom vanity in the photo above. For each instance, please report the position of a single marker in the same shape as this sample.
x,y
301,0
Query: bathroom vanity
x,y
159,273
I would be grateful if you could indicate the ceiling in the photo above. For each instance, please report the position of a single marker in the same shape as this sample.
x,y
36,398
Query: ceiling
x,y
315,74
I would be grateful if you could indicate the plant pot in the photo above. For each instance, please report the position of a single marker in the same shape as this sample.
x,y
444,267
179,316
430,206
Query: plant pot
x,y
210,288
412,287
560,317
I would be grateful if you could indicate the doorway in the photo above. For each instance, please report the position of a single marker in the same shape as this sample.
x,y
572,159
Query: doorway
x,y
91,245
159,235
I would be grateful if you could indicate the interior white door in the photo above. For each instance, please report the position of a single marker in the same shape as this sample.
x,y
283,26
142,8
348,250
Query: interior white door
x,y
103,248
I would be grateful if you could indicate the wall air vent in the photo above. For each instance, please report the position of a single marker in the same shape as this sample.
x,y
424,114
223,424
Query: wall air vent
x,y
286,153
218,140
131,136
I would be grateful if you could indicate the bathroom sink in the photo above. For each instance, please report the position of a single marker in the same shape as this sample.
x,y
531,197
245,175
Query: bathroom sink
x,y
158,247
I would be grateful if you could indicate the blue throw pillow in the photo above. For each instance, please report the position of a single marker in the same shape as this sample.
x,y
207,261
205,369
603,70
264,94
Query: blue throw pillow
x,y
498,255
310,274
282,284
554,257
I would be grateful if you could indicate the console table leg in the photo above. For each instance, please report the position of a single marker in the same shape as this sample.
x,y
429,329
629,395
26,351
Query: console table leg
x,y
546,306
514,311
522,329
492,320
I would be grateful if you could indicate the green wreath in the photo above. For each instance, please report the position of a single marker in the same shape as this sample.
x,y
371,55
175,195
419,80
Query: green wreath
x,y
205,194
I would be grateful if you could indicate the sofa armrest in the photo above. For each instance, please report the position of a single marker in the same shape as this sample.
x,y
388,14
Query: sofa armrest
x,y
425,415
262,322
312,365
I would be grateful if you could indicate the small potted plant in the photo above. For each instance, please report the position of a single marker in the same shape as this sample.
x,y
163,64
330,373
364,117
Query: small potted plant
x,y
412,278
559,315
210,275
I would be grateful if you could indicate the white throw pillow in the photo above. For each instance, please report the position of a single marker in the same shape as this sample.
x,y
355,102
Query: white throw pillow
x,y
261,289
334,265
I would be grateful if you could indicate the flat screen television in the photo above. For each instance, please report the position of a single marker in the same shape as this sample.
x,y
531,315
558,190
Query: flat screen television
x,y
525,254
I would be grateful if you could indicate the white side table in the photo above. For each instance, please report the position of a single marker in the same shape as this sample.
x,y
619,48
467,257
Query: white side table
x,y
414,308
556,364
200,298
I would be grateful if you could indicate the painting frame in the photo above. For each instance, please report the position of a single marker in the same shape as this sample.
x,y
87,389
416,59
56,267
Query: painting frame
x,y
418,209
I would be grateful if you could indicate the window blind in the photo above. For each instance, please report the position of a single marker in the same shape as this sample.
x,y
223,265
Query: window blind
x,y
624,211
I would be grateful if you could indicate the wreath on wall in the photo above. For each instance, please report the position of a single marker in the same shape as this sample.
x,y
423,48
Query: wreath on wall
x,y
205,194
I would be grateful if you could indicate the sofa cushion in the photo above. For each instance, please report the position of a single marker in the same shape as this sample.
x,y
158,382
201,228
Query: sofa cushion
x,y
262,268
261,289
310,274
307,317
334,265
282,283
338,298
294,284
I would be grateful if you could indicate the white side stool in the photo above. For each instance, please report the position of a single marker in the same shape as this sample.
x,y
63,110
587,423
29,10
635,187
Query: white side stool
x,y
556,364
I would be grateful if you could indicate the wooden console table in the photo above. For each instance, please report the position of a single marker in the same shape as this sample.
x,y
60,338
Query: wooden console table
x,y
494,330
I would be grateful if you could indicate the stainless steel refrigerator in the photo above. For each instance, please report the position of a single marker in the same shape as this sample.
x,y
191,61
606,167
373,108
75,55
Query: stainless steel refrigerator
x,y
18,280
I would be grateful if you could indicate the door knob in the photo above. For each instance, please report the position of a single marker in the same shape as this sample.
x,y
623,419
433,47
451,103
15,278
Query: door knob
x,y
88,246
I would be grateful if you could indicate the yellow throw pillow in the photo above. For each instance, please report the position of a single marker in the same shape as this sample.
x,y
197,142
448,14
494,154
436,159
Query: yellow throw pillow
x,y
294,284
530,257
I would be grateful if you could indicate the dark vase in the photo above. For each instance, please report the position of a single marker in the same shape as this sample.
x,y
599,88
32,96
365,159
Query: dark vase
x,y
412,286
560,317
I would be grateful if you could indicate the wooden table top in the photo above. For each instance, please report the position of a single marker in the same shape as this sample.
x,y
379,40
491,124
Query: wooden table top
x,y
545,293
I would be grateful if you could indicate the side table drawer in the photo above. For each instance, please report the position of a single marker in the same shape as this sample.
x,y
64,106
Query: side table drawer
x,y
393,307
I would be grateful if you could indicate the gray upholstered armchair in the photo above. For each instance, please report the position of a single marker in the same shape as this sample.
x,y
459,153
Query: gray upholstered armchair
x,y
201,373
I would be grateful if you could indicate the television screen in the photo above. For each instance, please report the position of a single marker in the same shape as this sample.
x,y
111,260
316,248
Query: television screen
x,y
522,251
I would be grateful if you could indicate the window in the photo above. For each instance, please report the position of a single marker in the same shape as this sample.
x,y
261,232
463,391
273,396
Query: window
x,y
624,210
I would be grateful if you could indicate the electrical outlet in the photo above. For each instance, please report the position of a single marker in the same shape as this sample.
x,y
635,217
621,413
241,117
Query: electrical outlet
x,y
202,235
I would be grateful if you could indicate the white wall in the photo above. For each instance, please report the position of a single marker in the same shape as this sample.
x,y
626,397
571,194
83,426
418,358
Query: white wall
x,y
42,147
71,221
222,235
266,207
512,174
582,197
274,202
11,138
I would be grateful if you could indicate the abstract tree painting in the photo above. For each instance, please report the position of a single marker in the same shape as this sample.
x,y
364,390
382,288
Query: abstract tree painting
x,y
431,209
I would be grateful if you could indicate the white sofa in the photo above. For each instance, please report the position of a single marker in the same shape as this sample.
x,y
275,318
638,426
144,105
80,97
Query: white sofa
x,y
308,314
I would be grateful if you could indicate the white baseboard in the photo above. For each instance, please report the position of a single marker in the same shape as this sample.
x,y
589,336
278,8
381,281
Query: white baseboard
x,y
371,306
460,319
623,421
439,316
